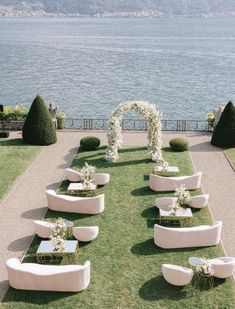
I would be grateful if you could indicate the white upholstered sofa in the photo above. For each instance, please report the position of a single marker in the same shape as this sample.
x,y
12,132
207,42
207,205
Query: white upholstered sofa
x,y
177,275
43,228
159,183
197,201
66,203
61,278
223,267
187,237
99,179
85,233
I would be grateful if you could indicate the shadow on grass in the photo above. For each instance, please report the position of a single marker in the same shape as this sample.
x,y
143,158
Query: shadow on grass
x,y
157,288
35,297
14,142
142,191
66,215
150,212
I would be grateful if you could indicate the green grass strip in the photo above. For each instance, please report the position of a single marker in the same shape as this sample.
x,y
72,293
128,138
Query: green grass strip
x,y
125,262
15,157
230,154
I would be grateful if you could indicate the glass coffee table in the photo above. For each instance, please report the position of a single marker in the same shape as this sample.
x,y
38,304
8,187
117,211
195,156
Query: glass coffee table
x,y
79,189
46,254
184,216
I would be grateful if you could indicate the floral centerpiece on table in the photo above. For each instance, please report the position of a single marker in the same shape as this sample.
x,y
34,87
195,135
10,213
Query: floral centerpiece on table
x,y
183,196
87,171
164,164
175,209
58,235
204,267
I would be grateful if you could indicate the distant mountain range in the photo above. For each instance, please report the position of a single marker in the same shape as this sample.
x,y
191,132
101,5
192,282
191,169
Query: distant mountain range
x,y
117,8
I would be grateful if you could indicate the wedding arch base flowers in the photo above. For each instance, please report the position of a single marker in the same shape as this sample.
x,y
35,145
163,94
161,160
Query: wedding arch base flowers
x,y
147,111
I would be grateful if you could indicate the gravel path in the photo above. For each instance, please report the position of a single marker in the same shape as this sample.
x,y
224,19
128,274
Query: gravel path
x,y
27,201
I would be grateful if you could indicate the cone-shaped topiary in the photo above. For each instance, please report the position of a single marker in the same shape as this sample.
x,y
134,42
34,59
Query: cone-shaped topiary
x,y
224,132
38,127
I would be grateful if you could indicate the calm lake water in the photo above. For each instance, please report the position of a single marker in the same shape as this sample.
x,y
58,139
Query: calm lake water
x,y
88,66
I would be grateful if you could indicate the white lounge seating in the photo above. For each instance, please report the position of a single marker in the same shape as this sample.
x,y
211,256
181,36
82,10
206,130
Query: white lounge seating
x,y
223,267
83,205
187,237
177,275
159,183
197,201
73,175
99,179
43,228
165,202
85,233
62,278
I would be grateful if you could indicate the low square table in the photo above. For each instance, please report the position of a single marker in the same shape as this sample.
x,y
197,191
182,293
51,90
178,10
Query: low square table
x,y
182,216
167,171
46,254
75,187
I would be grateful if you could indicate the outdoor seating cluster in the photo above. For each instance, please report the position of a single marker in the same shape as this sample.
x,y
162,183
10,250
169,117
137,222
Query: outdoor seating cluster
x,y
62,278
179,208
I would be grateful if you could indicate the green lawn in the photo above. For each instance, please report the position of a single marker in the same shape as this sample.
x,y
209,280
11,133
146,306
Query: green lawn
x,y
15,157
125,262
230,153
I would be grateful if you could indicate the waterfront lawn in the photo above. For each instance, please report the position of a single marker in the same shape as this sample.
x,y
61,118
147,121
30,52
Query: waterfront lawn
x,y
230,154
15,157
125,262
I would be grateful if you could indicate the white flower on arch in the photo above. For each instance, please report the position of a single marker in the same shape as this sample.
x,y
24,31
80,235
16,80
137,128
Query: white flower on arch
x,y
147,111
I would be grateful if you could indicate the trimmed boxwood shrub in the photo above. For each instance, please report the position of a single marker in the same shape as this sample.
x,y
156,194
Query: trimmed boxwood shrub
x,y
38,128
89,143
179,144
224,132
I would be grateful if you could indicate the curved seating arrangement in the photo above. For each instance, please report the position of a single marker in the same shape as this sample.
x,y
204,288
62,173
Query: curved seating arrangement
x,y
43,228
100,179
198,201
177,275
62,278
85,233
160,183
165,202
223,267
187,237
66,203
73,175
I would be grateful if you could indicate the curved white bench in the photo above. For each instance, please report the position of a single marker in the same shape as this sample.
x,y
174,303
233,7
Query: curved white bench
x,y
165,202
43,228
187,237
223,267
85,233
159,183
99,179
73,175
83,205
197,201
61,278
177,275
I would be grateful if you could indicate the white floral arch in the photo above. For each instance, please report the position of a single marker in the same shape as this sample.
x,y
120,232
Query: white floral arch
x,y
147,111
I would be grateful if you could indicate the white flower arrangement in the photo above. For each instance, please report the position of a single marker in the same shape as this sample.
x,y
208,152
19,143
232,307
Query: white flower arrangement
x,y
204,267
58,235
87,171
114,136
183,196
175,209
164,164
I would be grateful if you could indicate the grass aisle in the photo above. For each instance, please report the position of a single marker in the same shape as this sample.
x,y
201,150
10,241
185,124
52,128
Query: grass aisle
x,y
125,262
15,157
230,154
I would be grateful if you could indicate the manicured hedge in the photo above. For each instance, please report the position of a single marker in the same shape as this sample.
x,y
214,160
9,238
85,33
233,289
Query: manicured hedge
x,y
179,144
89,143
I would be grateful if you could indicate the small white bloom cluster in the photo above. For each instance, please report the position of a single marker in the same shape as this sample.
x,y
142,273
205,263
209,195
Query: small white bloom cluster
x,y
175,209
58,235
183,196
153,117
163,163
87,171
205,267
